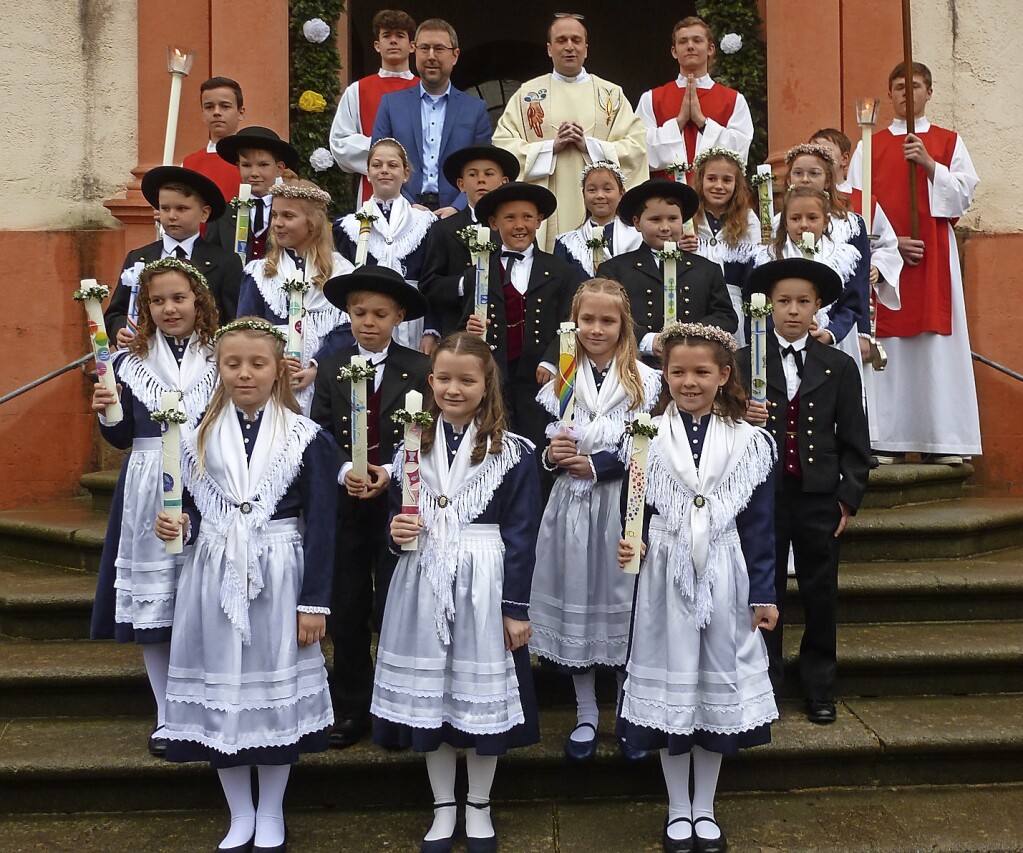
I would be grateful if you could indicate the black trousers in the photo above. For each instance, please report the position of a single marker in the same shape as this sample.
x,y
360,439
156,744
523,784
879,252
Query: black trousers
x,y
808,522
363,566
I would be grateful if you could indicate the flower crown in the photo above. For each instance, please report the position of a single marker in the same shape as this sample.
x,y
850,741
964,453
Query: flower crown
x,y
810,148
251,326
607,166
718,151
181,266
296,191
392,141
698,330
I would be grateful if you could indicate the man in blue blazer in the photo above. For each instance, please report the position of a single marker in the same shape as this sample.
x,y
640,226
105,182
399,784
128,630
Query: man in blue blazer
x,y
433,119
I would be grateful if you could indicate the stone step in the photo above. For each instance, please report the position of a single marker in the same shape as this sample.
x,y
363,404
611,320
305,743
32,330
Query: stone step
x,y
67,765
838,820
94,678
100,485
898,485
42,602
68,534
939,530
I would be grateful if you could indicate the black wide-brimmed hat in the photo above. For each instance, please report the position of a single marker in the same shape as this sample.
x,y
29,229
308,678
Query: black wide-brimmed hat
x,y
376,279
257,138
542,197
634,199
824,278
162,175
456,161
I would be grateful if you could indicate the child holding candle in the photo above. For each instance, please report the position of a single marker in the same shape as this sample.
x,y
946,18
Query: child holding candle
x,y
262,157
727,229
815,415
529,296
377,299
475,170
696,685
397,238
248,685
456,623
807,211
299,247
171,352
603,186
184,200
657,209
581,601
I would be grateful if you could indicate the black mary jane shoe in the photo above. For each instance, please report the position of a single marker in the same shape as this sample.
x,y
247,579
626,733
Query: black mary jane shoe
x,y
678,845
581,750
709,845
348,731
631,753
440,845
157,745
280,848
820,711
475,844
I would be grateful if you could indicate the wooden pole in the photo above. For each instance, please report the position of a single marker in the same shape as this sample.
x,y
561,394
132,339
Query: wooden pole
x,y
907,53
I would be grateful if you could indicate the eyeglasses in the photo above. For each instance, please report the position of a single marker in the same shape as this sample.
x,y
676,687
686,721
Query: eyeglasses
x,y
815,174
570,15
438,49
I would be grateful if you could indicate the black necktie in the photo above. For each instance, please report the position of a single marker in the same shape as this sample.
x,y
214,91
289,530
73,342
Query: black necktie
x,y
510,259
258,221
179,253
797,357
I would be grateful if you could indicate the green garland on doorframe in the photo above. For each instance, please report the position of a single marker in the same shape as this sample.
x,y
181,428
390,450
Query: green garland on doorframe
x,y
315,88
744,69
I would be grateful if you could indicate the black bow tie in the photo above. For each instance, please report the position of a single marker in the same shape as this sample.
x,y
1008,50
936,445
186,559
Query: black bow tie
x,y
518,256
797,357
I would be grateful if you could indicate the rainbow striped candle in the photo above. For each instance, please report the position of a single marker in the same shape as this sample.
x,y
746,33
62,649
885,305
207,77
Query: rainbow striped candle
x,y
564,385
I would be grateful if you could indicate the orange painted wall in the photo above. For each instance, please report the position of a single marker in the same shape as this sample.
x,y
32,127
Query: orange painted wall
x,y
993,276
47,434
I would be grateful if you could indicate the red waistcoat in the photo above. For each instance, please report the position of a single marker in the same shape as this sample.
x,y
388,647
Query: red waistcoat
x,y
717,102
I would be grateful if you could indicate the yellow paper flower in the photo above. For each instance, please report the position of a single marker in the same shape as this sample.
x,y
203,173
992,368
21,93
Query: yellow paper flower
x,y
312,102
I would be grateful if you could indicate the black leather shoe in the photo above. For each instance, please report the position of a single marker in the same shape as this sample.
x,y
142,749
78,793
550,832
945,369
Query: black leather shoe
x,y
280,848
820,711
630,753
157,745
581,750
709,845
241,848
475,844
678,845
347,732
440,845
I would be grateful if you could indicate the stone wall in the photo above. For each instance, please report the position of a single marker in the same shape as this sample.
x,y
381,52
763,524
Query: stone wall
x,y
68,86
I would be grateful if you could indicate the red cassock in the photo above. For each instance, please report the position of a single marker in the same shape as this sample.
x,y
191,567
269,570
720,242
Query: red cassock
x,y
926,288
371,90
213,166
717,102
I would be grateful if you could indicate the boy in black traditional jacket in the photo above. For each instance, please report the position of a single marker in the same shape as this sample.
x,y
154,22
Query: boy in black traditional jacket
x,y
377,299
814,412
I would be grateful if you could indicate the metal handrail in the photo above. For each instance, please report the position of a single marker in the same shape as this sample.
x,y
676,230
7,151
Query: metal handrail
x,y
42,379
999,367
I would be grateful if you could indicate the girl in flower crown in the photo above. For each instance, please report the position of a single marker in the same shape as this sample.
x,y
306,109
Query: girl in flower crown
x,y
603,185
248,686
696,685
397,237
581,601
299,248
808,211
453,667
727,229
171,351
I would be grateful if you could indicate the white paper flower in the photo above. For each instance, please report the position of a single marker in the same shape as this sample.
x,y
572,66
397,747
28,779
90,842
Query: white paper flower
x,y
316,30
731,43
321,160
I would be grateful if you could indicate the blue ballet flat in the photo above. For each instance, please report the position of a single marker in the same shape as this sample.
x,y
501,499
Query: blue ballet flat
x,y
630,753
440,845
585,750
